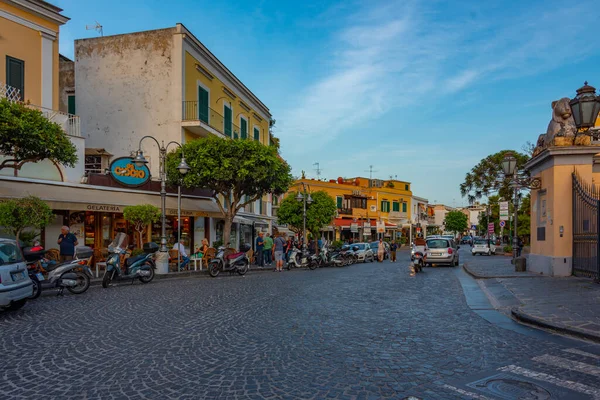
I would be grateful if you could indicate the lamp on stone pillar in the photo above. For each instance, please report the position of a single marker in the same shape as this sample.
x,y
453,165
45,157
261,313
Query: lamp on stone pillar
x,y
585,107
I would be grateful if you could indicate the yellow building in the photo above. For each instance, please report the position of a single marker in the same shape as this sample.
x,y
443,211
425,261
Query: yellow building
x,y
29,50
362,202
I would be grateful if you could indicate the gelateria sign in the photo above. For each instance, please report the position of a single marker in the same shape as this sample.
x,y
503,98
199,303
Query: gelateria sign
x,y
125,172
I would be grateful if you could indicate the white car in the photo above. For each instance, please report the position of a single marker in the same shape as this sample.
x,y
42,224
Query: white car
x,y
364,252
482,246
15,284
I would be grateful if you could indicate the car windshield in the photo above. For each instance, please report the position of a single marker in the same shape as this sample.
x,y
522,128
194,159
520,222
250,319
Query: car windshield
x,y
361,246
481,241
438,244
10,253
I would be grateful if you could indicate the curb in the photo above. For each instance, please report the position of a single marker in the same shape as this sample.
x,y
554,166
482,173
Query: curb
x,y
522,317
181,275
477,276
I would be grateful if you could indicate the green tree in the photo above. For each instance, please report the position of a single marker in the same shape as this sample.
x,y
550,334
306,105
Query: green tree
x,y
487,177
237,171
456,221
318,214
27,136
141,216
28,212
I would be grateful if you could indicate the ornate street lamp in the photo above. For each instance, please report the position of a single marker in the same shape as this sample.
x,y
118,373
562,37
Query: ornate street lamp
x,y
307,200
585,107
509,164
183,168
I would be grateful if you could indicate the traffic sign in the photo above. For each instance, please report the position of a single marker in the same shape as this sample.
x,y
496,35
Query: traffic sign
x,y
502,224
473,227
491,227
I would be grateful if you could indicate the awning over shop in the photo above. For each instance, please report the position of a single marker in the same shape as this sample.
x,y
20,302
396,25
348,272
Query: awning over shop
x,y
345,223
103,199
285,230
238,219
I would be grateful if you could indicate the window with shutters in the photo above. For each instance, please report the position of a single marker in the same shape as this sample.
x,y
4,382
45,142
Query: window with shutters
x,y
93,164
403,207
203,104
256,134
71,104
15,74
385,206
243,128
406,187
227,122
339,199
396,206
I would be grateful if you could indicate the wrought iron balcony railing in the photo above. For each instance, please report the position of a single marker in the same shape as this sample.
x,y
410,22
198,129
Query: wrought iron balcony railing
x,y
69,123
345,211
210,117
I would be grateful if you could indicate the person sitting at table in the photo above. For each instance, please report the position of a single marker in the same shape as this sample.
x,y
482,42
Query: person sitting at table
x,y
184,257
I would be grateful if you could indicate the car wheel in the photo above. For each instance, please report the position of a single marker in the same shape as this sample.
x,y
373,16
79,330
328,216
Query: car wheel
x,y
16,305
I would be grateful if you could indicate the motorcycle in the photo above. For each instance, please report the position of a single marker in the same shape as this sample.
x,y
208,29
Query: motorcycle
x,y
141,267
301,259
418,262
235,262
74,275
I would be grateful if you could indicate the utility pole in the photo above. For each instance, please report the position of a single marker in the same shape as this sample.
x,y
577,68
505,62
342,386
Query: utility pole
x,y
370,171
318,170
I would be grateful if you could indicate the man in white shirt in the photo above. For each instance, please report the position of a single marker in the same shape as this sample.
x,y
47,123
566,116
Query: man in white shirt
x,y
184,257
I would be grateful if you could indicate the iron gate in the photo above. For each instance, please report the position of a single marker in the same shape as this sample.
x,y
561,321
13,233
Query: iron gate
x,y
586,220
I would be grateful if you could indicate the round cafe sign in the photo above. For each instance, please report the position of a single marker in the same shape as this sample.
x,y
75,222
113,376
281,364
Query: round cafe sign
x,y
124,171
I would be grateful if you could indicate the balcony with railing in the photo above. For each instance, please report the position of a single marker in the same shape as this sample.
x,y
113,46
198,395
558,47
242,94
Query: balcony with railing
x,y
68,122
345,211
207,122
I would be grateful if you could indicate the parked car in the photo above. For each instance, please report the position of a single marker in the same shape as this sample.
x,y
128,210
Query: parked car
x,y
442,251
466,240
375,246
15,284
481,246
364,252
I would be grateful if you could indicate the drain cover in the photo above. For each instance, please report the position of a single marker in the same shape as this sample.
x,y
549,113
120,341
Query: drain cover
x,y
515,389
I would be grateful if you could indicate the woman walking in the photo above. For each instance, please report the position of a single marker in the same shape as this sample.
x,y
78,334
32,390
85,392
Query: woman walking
x,y
380,250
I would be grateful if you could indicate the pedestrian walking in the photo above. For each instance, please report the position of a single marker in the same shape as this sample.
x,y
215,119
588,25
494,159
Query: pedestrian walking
x,y
380,250
260,244
67,242
268,250
393,248
288,248
278,246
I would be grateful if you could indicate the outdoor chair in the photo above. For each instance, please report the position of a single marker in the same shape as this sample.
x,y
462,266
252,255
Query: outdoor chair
x,y
210,254
173,255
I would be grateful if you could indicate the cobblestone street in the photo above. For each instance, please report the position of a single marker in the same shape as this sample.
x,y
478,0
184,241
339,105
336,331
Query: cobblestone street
x,y
366,331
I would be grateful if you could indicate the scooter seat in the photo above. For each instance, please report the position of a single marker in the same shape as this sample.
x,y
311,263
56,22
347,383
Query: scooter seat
x,y
131,260
235,255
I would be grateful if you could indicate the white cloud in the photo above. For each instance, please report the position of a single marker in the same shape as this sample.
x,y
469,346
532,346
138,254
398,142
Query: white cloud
x,y
398,53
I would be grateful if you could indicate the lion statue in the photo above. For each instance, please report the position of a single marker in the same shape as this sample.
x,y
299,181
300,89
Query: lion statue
x,y
562,126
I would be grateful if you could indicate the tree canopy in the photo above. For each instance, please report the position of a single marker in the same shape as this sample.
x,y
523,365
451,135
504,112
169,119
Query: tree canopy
x,y
456,221
238,172
27,212
318,214
141,216
487,177
27,136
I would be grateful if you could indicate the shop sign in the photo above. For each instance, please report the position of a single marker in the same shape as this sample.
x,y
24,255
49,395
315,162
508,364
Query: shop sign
x,y
380,227
353,227
124,171
103,208
186,213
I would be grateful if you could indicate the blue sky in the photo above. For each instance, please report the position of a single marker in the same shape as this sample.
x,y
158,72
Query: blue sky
x,y
421,90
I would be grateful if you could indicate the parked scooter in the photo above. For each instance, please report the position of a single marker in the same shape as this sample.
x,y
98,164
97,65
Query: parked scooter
x,y
302,259
236,262
74,275
141,267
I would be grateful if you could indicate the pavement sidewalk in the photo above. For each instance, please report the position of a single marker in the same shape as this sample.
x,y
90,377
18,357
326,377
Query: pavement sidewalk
x,y
566,305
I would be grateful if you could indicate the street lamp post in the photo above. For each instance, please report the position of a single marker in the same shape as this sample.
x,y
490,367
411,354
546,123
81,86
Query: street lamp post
x,y
306,199
183,168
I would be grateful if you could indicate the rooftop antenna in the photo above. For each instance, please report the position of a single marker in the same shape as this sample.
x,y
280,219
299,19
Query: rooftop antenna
x,y
370,171
97,28
318,170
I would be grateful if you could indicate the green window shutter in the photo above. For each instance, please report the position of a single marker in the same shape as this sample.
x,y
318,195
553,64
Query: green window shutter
x,y
71,105
202,104
382,206
256,134
244,128
339,202
403,207
396,206
15,74
387,206
405,187
260,210
227,122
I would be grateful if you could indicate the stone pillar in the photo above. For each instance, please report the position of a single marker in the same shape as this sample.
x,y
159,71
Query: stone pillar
x,y
162,263
552,206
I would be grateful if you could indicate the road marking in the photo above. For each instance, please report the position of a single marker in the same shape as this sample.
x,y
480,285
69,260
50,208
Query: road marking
x,y
540,376
582,353
568,364
466,393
